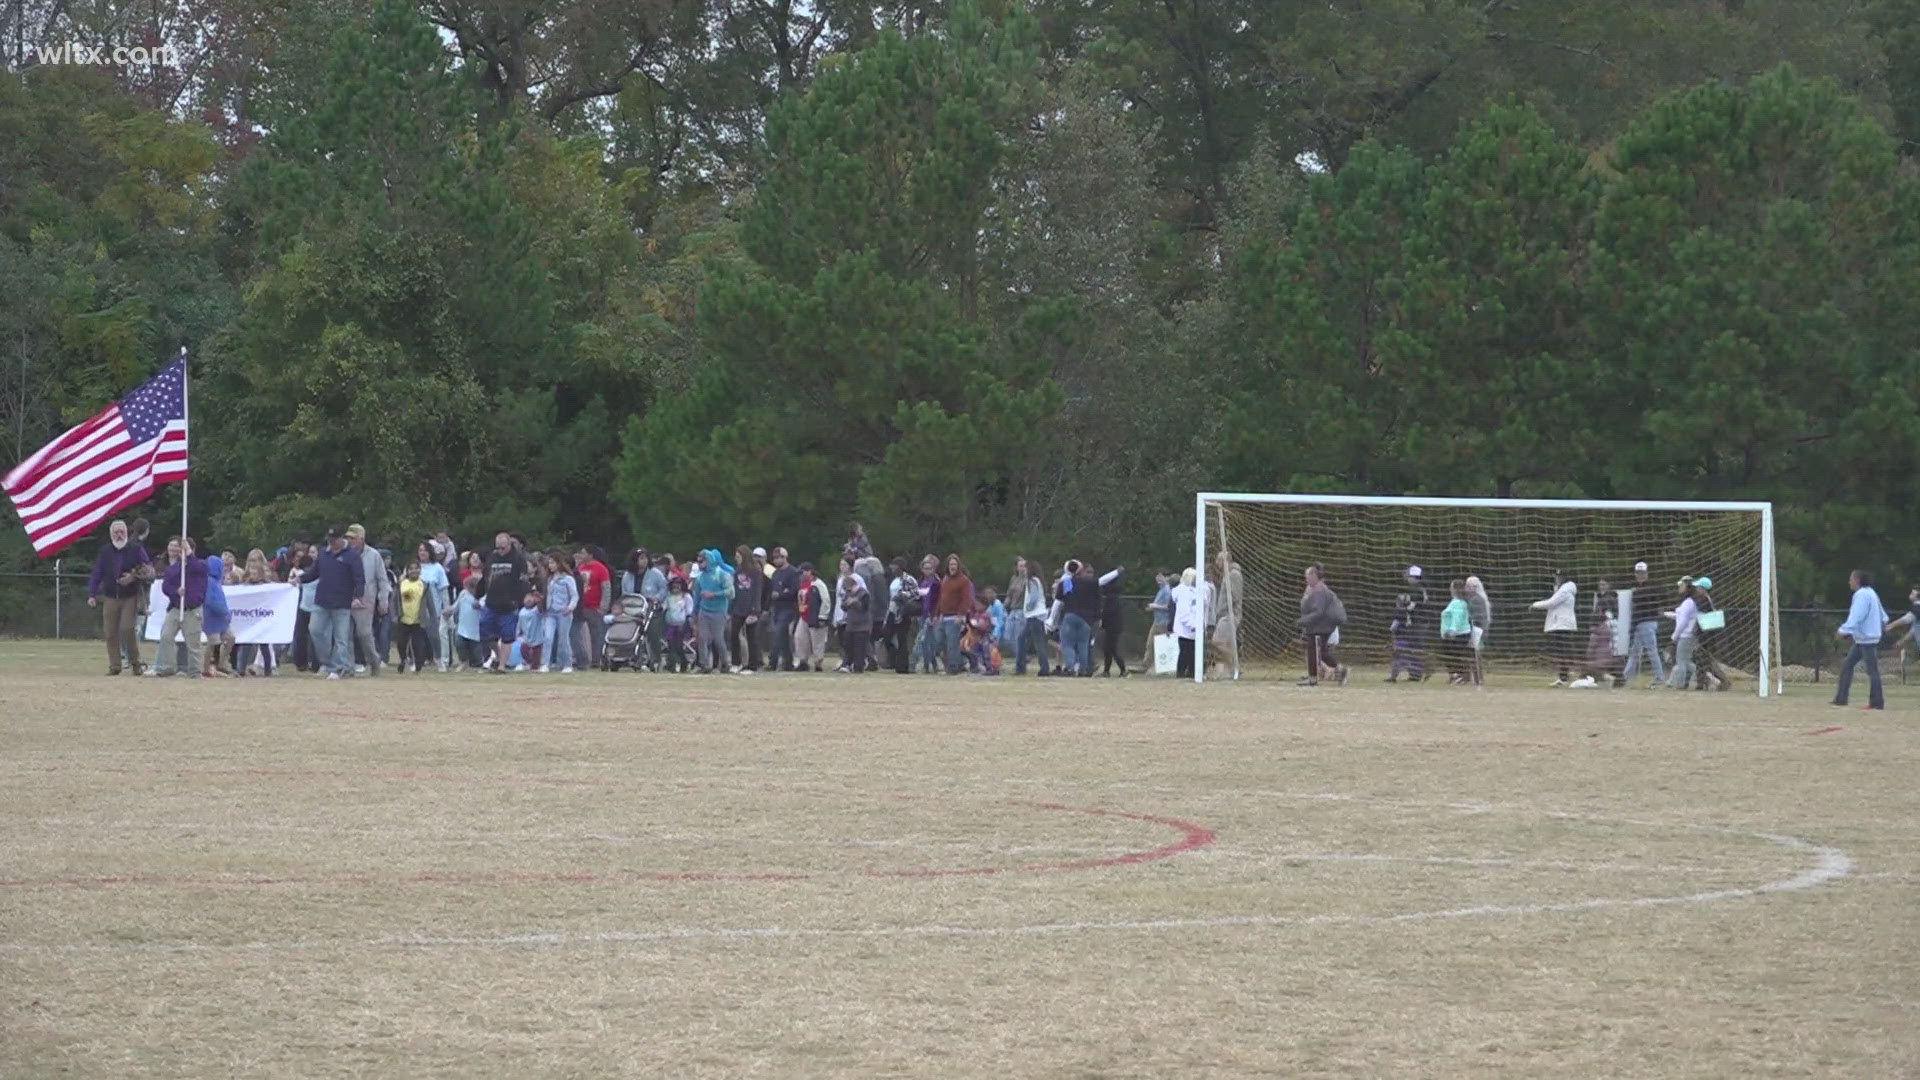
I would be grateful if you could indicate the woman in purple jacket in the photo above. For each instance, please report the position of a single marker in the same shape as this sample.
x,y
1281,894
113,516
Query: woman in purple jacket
x,y
926,652
185,586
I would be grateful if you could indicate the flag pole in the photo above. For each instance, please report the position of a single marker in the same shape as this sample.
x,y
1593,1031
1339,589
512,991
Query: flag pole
x,y
188,424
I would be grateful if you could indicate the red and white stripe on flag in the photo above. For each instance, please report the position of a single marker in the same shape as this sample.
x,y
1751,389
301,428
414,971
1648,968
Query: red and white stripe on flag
x,y
112,461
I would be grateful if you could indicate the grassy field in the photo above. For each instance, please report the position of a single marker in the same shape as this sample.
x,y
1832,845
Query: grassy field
x,y
791,876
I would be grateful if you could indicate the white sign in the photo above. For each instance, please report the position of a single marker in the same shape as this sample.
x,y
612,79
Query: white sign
x,y
262,614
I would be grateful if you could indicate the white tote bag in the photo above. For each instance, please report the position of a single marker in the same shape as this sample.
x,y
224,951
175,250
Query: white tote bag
x,y
1166,654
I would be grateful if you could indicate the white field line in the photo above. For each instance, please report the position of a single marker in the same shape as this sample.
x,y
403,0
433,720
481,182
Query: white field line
x,y
1830,864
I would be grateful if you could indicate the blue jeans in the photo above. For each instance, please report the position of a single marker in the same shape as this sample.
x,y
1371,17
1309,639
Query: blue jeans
x,y
1076,641
1870,655
1646,638
560,637
1032,642
928,646
951,629
1681,677
332,630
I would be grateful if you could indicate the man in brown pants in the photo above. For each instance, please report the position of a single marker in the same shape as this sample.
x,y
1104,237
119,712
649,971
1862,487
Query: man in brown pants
x,y
120,574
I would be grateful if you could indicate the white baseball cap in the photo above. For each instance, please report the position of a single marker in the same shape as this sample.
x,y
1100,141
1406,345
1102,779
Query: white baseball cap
x,y
760,552
1639,568
1413,571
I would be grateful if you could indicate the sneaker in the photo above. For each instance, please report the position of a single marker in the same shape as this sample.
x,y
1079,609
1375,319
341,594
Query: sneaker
x,y
1344,676
1583,683
359,669
1308,682
333,676
1559,682
566,671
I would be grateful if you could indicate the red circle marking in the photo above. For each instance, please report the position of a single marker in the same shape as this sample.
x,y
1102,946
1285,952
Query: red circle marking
x,y
1193,837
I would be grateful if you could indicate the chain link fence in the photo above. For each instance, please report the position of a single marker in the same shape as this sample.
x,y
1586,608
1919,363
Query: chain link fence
x,y
49,603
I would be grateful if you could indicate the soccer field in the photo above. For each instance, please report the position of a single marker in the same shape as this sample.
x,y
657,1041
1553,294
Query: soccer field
x,y
879,875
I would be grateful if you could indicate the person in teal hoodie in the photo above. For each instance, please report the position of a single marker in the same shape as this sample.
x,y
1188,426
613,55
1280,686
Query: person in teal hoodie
x,y
712,596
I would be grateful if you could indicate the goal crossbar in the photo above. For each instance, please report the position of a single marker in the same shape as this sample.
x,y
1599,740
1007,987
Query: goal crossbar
x,y
1769,681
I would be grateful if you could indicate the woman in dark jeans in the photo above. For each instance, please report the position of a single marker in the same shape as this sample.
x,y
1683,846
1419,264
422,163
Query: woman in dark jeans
x,y
1111,625
303,654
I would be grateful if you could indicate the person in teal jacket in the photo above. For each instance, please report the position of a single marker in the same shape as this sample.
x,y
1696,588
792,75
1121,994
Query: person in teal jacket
x,y
712,596
1456,626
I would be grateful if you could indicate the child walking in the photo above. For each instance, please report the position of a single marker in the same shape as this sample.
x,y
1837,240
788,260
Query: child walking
x,y
465,615
679,612
533,632
563,597
258,573
413,631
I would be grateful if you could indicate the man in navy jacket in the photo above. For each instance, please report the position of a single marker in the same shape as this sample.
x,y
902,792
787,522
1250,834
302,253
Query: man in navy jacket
x,y
338,578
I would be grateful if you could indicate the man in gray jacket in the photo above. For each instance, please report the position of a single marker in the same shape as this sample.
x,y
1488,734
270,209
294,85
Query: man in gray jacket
x,y
1321,617
373,599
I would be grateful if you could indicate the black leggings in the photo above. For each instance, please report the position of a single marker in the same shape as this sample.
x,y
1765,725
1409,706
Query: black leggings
x,y
1110,628
903,646
1564,647
413,645
737,629
1184,669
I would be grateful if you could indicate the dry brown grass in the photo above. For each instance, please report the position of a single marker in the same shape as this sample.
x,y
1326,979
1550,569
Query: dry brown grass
x,y
644,875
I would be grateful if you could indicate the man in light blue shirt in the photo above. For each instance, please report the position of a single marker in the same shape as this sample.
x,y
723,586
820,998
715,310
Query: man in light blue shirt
x,y
1866,620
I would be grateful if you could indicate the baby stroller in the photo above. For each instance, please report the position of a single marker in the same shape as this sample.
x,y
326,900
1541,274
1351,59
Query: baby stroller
x,y
627,634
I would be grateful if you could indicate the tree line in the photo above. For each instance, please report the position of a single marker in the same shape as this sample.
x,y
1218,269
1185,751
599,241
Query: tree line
x,y
983,275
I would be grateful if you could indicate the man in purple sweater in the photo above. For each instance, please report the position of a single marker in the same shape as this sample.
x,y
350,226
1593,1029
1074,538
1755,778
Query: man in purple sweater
x,y
120,574
185,586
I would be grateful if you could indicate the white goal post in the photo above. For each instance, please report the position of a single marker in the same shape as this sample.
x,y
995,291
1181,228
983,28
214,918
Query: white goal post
x,y
1521,549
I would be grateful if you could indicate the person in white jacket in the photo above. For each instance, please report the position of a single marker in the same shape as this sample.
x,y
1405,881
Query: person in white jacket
x,y
1562,626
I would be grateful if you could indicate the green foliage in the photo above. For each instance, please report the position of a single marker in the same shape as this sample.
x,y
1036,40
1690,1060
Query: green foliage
x,y
1716,318
846,365
986,275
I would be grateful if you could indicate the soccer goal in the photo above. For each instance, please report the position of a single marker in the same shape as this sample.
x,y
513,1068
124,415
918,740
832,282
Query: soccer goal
x,y
1517,548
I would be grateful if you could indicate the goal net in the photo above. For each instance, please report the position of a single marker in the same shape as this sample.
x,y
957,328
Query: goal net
x,y
1518,549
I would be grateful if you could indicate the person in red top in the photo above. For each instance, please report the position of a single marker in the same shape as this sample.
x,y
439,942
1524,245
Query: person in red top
x,y
596,599
954,605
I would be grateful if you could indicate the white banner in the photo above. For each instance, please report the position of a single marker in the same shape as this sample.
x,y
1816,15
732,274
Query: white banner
x,y
262,614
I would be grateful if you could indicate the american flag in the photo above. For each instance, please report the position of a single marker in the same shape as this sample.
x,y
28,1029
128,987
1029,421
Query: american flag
x,y
112,461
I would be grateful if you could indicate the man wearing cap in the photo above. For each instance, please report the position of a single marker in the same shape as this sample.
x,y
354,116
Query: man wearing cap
x,y
337,574
1408,654
1866,621
1645,637
783,606
370,599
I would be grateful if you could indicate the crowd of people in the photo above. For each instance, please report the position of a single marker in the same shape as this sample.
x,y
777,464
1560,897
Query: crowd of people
x,y
509,608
